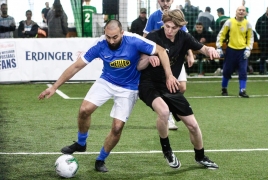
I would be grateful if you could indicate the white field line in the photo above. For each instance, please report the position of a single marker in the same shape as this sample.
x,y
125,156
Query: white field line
x,y
64,96
136,152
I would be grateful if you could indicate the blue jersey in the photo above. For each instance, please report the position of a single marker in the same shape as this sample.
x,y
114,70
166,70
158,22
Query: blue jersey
x,y
120,65
155,22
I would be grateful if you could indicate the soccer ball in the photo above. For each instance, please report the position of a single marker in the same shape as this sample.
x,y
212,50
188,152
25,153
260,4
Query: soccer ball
x,y
66,166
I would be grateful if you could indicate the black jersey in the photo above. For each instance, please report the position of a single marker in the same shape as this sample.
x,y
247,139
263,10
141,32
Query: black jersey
x,y
176,52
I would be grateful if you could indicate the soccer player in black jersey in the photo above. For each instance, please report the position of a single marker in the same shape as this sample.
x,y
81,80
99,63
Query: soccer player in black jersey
x,y
153,91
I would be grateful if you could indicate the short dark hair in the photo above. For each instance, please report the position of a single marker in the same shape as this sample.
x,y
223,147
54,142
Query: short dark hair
x,y
4,4
199,23
208,9
220,10
29,11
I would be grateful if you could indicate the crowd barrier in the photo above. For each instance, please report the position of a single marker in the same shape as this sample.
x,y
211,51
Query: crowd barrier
x,y
44,59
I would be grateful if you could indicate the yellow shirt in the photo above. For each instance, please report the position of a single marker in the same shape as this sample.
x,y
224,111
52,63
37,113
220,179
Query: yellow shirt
x,y
240,34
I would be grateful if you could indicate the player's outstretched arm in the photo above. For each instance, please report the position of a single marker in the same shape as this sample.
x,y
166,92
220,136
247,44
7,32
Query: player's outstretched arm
x,y
210,52
66,75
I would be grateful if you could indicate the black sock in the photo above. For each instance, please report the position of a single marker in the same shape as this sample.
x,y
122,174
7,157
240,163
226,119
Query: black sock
x,y
199,154
165,144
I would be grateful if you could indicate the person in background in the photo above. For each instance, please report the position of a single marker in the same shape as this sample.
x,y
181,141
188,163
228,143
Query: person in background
x,y
7,23
207,19
57,21
247,10
220,21
120,52
44,12
262,29
240,43
202,36
138,25
108,17
154,23
87,18
191,13
28,28
153,92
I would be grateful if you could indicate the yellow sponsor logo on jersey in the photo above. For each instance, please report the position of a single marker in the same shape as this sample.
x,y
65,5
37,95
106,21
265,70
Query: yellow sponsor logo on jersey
x,y
121,63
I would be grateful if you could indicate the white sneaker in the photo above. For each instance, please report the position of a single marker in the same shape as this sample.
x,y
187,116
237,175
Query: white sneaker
x,y
171,123
218,72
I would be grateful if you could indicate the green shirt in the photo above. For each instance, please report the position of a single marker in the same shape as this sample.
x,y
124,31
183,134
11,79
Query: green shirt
x,y
87,20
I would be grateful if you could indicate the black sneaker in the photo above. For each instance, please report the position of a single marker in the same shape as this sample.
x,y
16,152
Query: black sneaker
x,y
100,166
172,160
74,147
207,163
224,92
243,94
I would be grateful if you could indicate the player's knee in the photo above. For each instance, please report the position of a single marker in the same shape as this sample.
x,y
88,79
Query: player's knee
x,y
84,112
163,114
117,130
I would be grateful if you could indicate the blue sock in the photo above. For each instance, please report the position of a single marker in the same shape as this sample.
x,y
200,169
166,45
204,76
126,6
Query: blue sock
x,y
242,84
82,137
103,155
224,82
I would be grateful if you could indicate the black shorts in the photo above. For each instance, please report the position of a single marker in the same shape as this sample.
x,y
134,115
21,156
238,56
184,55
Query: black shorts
x,y
176,102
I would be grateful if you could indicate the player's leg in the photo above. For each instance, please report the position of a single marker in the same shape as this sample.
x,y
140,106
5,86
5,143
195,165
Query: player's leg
x,y
124,101
182,79
162,110
228,68
197,141
242,74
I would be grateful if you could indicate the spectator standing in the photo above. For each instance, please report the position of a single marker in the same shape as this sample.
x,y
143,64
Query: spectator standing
x,y
7,23
44,12
88,11
28,28
262,29
138,25
247,10
207,19
191,13
153,91
202,36
240,44
119,80
57,21
221,20
154,23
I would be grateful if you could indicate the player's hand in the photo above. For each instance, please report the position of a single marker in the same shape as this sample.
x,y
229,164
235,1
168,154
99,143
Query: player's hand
x,y
220,52
213,53
190,60
246,53
47,93
172,84
154,60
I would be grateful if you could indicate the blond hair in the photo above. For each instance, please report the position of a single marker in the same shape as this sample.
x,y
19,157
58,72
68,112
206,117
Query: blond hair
x,y
176,16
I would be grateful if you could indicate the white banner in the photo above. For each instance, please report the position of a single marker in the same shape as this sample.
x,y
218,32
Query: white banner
x,y
44,59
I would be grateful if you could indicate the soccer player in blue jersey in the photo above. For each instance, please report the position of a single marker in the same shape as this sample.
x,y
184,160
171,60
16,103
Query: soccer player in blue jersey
x,y
120,52
154,23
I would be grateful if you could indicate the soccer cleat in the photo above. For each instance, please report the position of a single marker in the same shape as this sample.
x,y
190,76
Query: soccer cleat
x,y
171,123
172,160
72,148
224,92
207,163
100,166
172,126
243,94
218,72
